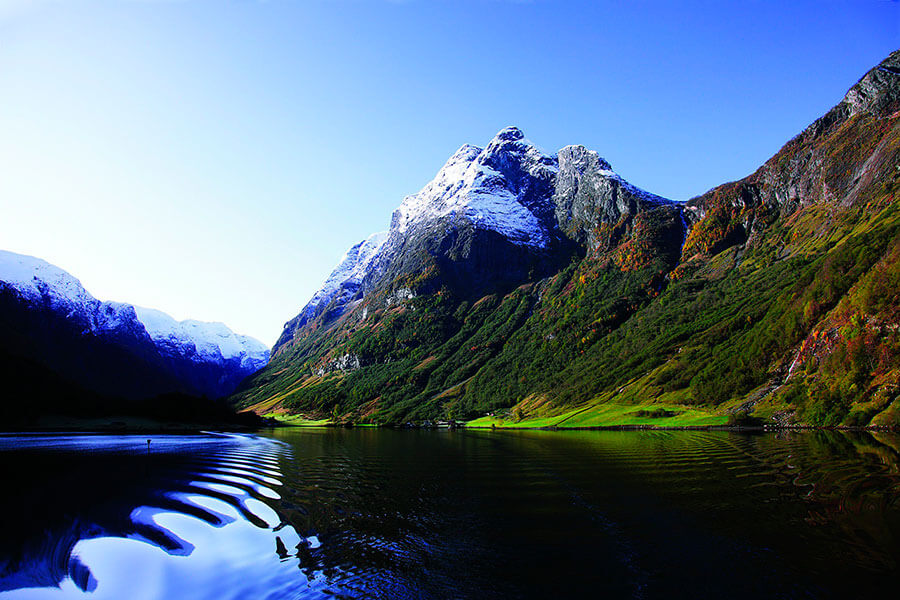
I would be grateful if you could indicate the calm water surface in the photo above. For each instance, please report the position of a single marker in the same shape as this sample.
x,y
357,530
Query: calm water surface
x,y
370,513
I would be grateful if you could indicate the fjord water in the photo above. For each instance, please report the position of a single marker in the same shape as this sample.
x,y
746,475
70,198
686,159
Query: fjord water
x,y
451,514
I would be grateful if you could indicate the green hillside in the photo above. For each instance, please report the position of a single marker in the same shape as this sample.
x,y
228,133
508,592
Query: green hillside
x,y
781,304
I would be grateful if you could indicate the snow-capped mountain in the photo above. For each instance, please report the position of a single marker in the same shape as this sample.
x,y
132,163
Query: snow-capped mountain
x,y
505,187
526,284
41,283
490,217
189,356
203,342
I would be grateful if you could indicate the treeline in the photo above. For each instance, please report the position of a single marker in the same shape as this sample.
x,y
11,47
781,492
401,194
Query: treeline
x,y
32,395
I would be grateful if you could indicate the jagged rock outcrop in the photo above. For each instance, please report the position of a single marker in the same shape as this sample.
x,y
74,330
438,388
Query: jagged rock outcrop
x,y
835,160
587,193
878,91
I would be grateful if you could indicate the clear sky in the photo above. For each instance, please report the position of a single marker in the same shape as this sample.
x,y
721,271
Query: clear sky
x,y
214,159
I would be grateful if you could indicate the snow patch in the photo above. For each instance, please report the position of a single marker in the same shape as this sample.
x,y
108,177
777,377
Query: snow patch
x,y
35,279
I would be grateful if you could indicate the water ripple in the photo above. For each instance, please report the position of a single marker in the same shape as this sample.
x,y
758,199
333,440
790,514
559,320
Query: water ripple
x,y
471,514
127,507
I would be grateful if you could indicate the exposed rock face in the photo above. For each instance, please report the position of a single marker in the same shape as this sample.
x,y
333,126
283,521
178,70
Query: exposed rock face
x,y
835,160
341,287
112,348
347,362
878,92
588,193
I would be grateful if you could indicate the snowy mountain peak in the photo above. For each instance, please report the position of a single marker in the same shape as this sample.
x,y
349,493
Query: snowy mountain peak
x,y
493,188
36,279
512,140
509,134
538,203
466,153
354,265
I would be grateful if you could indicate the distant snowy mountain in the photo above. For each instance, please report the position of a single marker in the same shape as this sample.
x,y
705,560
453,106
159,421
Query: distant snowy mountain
x,y
210,356
208,342
50,315
41,283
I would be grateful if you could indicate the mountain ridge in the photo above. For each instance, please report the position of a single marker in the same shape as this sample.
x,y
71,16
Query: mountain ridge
x,y
44,307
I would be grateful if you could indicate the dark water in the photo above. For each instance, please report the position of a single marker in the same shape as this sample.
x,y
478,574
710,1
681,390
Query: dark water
x,y
475,514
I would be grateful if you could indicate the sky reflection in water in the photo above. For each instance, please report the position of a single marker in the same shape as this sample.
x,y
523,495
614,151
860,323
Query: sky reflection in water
x,y
115,514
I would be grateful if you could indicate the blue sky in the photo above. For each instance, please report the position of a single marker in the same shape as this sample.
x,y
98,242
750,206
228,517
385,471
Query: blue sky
x,y
215,159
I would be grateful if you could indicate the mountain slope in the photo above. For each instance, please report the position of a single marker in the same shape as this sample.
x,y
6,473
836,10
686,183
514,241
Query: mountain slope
x,y
491,220
48,320
548,289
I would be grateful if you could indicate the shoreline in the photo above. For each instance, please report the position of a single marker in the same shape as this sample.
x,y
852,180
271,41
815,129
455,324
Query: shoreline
x,y
128,425
126,428
754,428
737,428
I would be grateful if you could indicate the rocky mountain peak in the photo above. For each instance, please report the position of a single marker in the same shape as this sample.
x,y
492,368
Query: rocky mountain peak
x,y
491,216
878,91
579,158
588,192
510,152
509,134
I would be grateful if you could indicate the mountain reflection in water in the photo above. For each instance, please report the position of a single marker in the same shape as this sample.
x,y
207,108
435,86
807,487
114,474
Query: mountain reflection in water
x,y
450,514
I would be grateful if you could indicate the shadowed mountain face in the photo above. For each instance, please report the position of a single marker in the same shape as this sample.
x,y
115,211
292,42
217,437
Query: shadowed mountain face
x,y
547,282
120,362
115,350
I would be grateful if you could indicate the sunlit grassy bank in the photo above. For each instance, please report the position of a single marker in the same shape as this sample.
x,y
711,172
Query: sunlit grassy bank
x,y
297,420
612,415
